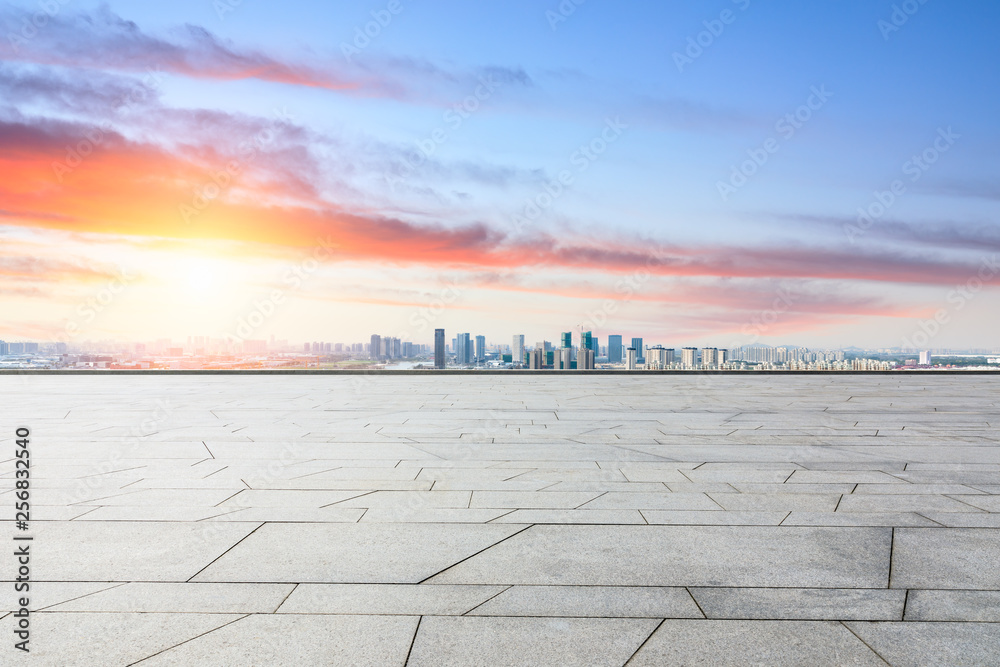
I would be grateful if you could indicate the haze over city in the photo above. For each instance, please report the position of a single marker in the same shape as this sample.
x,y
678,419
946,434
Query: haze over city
x,y
721,174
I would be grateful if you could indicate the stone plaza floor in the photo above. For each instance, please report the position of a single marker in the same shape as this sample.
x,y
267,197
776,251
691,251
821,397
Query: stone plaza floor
x,y
491,519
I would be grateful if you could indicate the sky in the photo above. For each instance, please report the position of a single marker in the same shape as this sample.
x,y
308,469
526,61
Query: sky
x,y
728,172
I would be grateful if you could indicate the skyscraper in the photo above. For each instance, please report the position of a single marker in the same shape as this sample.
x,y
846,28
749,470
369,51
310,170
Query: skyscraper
x,y
375,351
640,353
614,349
439,348
480,349
630,359
689,357
585,360
586,340
517,350
463,349
566,339
709,356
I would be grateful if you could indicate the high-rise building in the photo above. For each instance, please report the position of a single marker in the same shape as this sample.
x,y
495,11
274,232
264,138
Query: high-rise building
x,y
925,358
537,358
31,348
564,359
4,348
640,353
375,351
566,339
630,359
709,357
586,340
659,358
689,357
585,360
463,349
480,349
517,350
614,349
439,348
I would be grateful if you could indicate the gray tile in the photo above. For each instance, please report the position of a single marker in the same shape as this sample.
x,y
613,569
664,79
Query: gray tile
x,y
814,643
82,638
683,556
787,502
902,503
286,639
858,519
801,603
580,516
912,644
183,598
444,641
592,601
531,500
387,599
663,500
953,606
715,518
352,553
962,558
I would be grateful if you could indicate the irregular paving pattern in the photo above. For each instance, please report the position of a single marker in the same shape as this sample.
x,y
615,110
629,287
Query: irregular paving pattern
x,y
490,519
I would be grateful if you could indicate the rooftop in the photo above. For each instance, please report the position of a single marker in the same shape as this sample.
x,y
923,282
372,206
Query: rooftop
x,y
468,519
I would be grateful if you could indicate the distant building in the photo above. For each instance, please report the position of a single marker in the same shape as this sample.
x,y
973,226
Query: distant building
x,y
640,353
439,348
689,357
375,351
480,349
630,359
658,358
709,357
4,348
566,339
925,358
517,350
585,360
463,349
615,349
537,358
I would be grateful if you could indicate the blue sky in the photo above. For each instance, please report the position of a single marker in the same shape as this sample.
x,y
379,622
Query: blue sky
x,y
870,89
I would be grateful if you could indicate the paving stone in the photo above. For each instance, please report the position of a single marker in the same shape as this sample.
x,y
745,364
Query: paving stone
x,y
183,598
801,603
592,601
963,558
445,641
953,606
352,553
683,556
818,643
387,599
911,644
287,639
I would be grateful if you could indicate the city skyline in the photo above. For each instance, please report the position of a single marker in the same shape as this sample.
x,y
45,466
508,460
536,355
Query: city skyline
x,y
248,171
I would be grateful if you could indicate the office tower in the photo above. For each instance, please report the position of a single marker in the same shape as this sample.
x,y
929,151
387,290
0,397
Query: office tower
x,y
517,350
585,360
709,356
439,348
630,359
480,349
595,347
925,358
15,348
31,348
4,348
723,356
614,349
566,339
640,354
566,354
376,347
463,349
536,360
689,357
587,340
